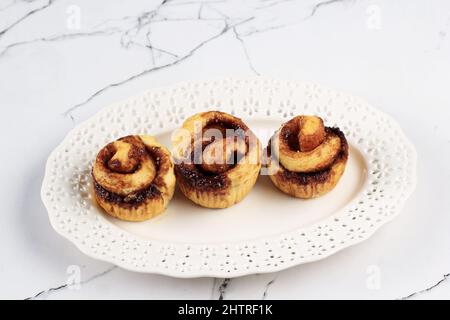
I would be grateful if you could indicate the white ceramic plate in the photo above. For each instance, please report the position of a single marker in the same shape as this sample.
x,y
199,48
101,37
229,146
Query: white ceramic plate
x,y
267,231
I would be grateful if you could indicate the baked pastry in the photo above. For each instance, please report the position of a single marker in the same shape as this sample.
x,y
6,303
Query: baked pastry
x,y
134,178
217,159
305,159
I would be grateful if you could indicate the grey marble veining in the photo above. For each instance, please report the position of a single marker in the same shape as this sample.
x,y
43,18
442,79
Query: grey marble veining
x,y
61,61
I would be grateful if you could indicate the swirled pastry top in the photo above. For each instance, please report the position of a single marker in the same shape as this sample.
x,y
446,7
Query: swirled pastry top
x,y
303,144
131,169
210,148
312,177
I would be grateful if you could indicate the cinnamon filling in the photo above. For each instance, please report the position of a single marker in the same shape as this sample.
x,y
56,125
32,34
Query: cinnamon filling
x,y
127,160
223,143
320,176
303,133
133,199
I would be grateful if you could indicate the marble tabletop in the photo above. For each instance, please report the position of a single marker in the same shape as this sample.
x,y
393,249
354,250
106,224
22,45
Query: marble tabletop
x,y
62,61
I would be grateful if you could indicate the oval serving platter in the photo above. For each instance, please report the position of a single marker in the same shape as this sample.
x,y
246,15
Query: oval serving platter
x,y
268,231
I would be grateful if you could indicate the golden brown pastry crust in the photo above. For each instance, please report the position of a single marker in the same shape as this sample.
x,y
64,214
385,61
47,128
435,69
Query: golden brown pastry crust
x,y
228,166
306,174
311,132
134,178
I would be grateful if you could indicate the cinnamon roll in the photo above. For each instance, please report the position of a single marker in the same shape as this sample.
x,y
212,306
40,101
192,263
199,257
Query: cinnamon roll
x,y
305,159
217,159
134,178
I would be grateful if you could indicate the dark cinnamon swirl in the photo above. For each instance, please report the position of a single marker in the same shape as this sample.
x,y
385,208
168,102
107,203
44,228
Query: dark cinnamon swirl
x,y
306,159
217,159
134,178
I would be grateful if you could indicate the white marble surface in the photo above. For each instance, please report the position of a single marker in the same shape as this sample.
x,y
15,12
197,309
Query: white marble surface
x,y
61,61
